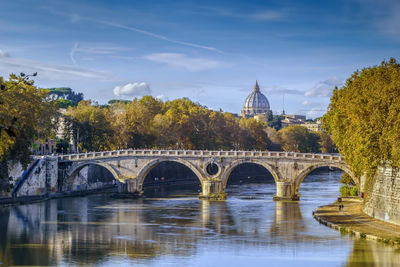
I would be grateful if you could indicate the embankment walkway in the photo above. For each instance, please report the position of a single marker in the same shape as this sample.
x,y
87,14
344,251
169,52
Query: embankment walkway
x,y
352,220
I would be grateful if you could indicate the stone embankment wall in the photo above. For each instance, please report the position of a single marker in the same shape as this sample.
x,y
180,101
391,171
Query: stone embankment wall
x,y
384,200
42,179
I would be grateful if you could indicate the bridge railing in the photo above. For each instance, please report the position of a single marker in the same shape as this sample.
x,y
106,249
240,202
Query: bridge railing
x,y
198,153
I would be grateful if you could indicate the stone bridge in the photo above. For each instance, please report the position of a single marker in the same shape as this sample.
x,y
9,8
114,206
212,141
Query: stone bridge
x,y
212,168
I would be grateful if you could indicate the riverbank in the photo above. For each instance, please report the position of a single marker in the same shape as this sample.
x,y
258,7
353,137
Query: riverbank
x,y
10,201
352,220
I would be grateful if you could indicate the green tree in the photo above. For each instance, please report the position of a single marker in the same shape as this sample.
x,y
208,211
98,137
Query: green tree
x,y
114,101
66,94
64,103
276,122
62,145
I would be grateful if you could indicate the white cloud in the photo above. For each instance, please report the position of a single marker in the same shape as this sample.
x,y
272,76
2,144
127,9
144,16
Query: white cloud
x,y
324,88
4,53
307,103
313,112
132,89
182,61
162,97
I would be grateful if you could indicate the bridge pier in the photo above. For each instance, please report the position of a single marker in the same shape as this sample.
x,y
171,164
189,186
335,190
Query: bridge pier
x,y
286,191
212,190
130,188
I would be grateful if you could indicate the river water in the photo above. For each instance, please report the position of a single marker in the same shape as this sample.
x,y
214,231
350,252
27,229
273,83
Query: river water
x,y
174,228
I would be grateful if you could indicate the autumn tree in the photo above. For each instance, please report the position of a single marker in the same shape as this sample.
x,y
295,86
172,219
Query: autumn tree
x,y
151,123
364,118
326,143
26,114
92,127
139,114
253,135
299,139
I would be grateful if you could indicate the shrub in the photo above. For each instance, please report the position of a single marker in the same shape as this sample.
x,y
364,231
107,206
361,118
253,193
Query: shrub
x,y
354,191
345,190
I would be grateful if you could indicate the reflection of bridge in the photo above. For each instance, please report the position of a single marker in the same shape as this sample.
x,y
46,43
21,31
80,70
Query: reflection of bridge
x,y
212,168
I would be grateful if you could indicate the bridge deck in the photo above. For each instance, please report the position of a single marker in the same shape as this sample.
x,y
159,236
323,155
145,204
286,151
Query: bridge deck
x,y
198,153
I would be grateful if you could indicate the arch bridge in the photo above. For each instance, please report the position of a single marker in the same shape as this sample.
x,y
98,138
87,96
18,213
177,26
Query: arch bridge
x,y
212,168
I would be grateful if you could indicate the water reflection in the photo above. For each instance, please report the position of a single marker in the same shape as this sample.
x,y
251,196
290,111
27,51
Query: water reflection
x,y
288,221
249,226
370,253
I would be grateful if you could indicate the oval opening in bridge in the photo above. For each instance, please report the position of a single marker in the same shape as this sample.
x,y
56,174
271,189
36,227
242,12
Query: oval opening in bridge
x,y
212,168
250,180
171,179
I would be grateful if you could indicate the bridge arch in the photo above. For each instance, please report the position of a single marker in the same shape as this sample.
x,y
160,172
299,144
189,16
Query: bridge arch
x,y
76,169
225,176
149,166
303,174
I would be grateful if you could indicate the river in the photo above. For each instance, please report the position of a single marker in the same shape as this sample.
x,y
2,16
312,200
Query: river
x,y
174,228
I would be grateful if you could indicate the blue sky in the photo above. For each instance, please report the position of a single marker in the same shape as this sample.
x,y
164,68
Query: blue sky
x,y
209,51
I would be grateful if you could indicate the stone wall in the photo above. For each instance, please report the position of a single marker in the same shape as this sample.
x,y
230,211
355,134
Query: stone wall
x,y
384,201
42,179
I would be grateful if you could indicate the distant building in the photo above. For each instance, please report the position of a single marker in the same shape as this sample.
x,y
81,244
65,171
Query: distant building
x,y
48,146
63,130
256,105
296,117
292,120
301,121
313,126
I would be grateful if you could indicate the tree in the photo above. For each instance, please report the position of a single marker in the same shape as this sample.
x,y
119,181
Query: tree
x,y
276,122
64,103
65,97
364,118
92,127
26,114
326,143
346,179
151,123
253,135
31,112
114,101
299,139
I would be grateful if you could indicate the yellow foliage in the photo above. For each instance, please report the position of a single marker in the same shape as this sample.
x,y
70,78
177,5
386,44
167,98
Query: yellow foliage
x,y
364,118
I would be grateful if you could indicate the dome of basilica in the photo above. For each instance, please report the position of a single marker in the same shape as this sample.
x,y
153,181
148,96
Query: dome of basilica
x,y
255,103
